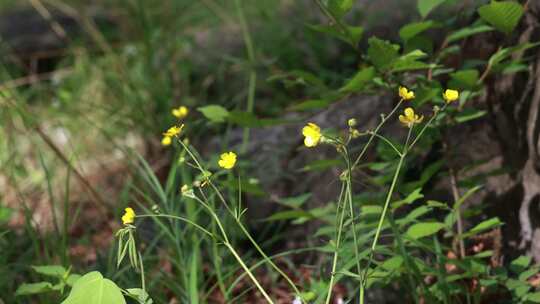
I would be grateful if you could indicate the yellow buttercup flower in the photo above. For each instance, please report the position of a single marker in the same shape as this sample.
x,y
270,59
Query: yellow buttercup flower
x,y
450,95
128,217
312,134
173,131
405,94
180,112
166,140
410,118
227,160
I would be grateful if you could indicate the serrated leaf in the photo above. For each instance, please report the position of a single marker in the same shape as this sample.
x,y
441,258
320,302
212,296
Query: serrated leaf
x,y
412,29
214,113
502,54
504,15
468,31
92,288
50,270
420,230
359,81
382,53
33,288
426,6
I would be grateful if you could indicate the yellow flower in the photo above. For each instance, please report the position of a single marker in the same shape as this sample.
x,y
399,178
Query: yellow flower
x,y
312,134
166,140
405,94
129,216
173,131
227,160
450,95
180,112
410,118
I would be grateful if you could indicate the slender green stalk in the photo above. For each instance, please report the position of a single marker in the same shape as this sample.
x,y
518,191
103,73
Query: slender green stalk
x,y
383,216
252,82
180,219
350,199
338,241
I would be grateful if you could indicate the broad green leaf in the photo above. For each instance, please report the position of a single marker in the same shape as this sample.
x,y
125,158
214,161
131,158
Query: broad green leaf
x,y
382,53
533,297
468,31
392,263
520,264
214,113
412,29
92,288
310,104
426,6
504,15
34,288
464,79
51,270
243,119
413,215
420,230
483,226
411,198
5,214
359,81
72,279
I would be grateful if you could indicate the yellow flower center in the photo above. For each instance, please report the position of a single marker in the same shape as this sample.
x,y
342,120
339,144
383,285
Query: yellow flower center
x,y
312,135
227,160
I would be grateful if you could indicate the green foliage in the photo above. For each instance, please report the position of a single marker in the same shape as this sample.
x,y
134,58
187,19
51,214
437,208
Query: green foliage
x,y
92,288
426,6
503,15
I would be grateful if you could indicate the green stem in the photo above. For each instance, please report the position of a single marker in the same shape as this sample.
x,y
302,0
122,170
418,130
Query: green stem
x,y
180,219
338,241
383,121
349,197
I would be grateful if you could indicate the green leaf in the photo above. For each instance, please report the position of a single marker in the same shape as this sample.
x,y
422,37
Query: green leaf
x,y
485,225
520,264
322,164
533,297
504,15
420,230
412,29
214,113
392,263
352,35
468,31
51,270
72,279
92,288
502,54
382,53
470,114
34,288
464,80
295,201
140,294
339,7
359,81
426,6
289,214
5,214
310,104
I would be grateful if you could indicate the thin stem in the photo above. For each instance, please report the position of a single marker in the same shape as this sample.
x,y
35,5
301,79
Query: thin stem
x,y
338,241
427,125
249,273
349,196
388,143
180,219
383,216
383,121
